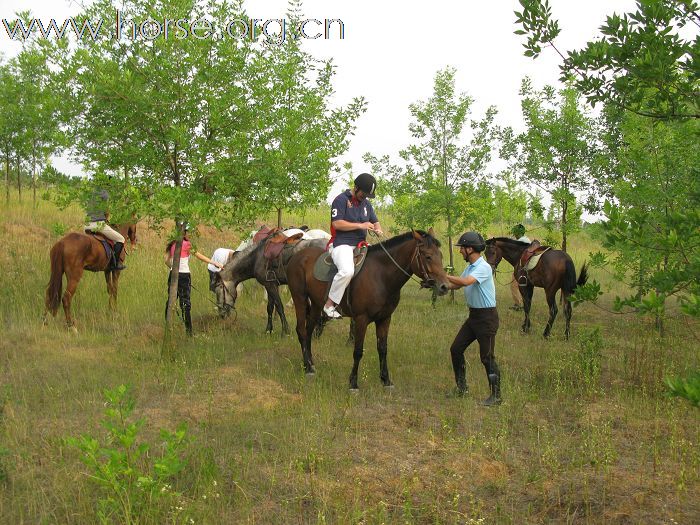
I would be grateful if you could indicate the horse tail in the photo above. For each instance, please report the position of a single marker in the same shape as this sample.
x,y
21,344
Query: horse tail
x,y
569,284
583,276
55,287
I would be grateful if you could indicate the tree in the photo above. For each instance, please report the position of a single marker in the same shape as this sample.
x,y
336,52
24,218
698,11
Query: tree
x,y
38,106
653,210
557,151
10,124
298,135
642,62
441,180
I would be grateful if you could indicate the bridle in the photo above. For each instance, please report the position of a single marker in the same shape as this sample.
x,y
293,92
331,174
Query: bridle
x,y
427,281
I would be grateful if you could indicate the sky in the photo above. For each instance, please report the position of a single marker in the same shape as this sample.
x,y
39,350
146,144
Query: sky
x,y
392,50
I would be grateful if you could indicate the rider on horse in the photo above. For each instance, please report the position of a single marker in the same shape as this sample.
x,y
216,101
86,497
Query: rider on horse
x,y
97,217
351,216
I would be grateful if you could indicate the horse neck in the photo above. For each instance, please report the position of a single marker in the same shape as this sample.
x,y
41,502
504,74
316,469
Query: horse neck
x,y
402,254
511,252
243,266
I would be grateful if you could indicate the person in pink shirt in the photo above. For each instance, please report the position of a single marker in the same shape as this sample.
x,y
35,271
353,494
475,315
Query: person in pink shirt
x,y
184,281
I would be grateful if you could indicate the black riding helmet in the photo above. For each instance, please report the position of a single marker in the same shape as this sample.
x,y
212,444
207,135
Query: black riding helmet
x,y
366,183
473,240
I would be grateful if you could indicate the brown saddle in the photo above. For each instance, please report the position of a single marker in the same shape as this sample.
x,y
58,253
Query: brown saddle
x,y
277,242
263,233
534,248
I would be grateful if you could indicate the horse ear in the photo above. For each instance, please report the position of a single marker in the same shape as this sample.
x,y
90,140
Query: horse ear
x,y
431,231
416,235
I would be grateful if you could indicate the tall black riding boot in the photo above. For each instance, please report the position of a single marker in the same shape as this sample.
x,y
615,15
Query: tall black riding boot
x,y
116,263
494,377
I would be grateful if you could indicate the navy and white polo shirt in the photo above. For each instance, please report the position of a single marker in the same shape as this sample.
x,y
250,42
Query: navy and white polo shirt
x,y
347,208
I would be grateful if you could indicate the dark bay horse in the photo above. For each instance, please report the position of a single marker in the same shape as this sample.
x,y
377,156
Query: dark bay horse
x,y
555,270
252,264
72,254
372,295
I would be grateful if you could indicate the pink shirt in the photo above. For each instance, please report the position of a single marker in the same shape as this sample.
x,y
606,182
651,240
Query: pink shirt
x,y
184,255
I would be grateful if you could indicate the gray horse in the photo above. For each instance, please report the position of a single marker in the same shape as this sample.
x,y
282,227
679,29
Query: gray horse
x,y
252,264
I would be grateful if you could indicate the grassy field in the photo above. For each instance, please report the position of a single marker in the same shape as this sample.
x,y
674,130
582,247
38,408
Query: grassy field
x,y
585,434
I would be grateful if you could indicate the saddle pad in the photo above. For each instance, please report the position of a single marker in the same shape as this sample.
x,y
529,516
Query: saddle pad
x,y
106,243
325,269
535,259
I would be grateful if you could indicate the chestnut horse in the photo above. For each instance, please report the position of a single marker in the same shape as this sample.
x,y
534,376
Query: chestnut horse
x,y
555,270
372,295
72,254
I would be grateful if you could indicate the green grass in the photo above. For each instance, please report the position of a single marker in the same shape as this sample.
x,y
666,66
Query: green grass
x,y
572,443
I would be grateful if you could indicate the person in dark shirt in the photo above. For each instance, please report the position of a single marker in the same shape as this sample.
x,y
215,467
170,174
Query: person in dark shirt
x,y
351,216
97,217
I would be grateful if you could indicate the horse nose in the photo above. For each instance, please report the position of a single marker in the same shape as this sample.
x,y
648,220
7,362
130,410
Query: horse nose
x,y
443,289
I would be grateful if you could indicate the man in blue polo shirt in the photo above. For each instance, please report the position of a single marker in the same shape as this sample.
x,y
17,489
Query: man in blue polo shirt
x,y
482,323
351,216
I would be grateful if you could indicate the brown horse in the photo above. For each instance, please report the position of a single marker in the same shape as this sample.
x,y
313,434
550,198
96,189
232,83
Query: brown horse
x,y
555,270
371,297
72,254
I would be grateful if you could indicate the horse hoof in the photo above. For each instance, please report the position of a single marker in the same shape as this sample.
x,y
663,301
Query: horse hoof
x,y
354,390
73,330
268,331
310,375
389,387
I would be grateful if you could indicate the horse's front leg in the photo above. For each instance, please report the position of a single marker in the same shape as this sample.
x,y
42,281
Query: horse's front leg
x,y
527,292
552,303
303,311
382,347
360,330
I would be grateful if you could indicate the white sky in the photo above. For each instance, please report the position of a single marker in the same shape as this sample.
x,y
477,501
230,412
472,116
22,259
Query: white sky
x,y
392,51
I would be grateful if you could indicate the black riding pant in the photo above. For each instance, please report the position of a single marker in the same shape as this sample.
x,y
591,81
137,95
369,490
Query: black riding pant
x,y
481,325
184,288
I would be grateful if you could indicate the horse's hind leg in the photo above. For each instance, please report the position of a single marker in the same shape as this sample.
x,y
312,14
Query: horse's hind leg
x,y
72,286
526,292
109,278
567,315
360,330
382,348
270,311
552,302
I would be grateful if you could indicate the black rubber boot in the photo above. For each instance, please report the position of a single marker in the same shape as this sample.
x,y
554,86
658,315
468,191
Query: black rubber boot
x,y
116,263
495,387
188,321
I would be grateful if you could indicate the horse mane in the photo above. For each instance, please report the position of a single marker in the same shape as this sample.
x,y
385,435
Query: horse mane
x,y
508,240
400,239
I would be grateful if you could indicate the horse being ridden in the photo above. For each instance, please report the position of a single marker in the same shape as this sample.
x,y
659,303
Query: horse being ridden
x,y
372,295
251,263
555,270
74,253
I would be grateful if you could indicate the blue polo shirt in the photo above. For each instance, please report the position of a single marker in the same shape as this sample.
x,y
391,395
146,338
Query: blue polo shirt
x,y
345,207
481,294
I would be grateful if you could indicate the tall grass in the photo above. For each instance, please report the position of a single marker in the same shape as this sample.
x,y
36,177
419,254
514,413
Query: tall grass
x,y
585,435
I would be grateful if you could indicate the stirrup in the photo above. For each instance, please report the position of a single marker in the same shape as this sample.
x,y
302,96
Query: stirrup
x,y
331,312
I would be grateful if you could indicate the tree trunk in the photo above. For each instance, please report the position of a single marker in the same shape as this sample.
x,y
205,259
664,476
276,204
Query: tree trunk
x,y
172,290
34,178
7,179
19,180
279,217
564,209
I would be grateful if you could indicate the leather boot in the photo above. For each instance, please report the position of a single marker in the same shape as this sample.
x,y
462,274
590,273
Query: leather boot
x,y
116,263
495,387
